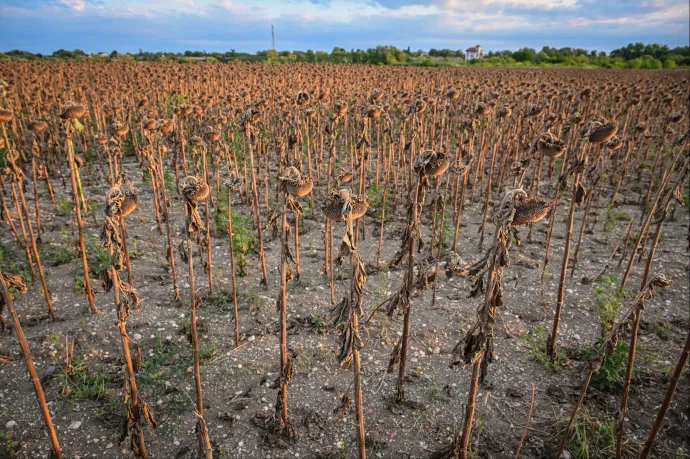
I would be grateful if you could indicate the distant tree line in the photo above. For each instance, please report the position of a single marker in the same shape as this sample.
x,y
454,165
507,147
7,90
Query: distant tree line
x,y
633,55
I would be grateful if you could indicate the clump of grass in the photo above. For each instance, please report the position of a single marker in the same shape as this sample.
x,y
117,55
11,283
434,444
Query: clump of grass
x,y
634,236
56,255
663,330
83,383
78,281
612,372
318,323
220,299
165,360
207,351
134,251
435,393
94,206
251,299
64,206
13,260
536,343
613,218
6,444
590,437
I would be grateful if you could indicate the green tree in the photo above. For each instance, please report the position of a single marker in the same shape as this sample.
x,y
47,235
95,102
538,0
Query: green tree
x,y
525,55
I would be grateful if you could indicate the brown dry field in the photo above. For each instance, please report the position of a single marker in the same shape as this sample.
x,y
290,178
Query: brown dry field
x,y
236,380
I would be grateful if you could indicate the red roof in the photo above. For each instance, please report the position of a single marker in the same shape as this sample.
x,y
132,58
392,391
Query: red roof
x,y
471,50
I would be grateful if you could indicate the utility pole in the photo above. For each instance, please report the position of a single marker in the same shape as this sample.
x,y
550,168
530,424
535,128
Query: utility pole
x,y
273,38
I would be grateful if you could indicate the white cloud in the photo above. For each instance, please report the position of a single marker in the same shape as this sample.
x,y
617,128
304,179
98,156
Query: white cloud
x,y
658,18
335,11
485,21
233,8
76,5
474,5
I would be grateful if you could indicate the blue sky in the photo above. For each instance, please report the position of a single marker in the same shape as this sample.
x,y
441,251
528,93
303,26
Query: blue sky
x,y
245,25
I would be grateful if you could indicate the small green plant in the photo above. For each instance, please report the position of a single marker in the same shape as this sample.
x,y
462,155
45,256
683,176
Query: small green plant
x,y
98,258
134,251
56,254
608,302
375,195
680,453
479,424
5,444
220,299
303,363
663,330
127,145
318,323
14,260
239,145
435,393
613,218
94,206
634,236
169,178
243,243
243,240
55,338
166,359
175,101
445,234
64,205
146,177
252,299
298,285
536,343
82,383
78,281
612,372
220,214
207,351
589,437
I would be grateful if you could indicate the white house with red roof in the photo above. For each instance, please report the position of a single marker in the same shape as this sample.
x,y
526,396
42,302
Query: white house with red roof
x,y
475,52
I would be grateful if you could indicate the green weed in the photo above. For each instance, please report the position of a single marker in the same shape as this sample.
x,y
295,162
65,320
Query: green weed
x,y
612,372
82,383
589,437
435,393
608,301
56,254
536,343
64,205
613,218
